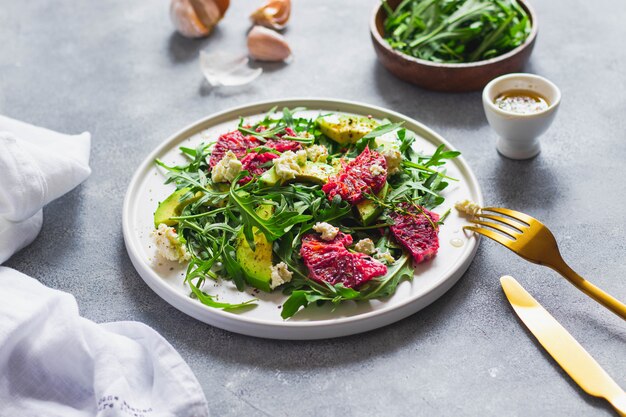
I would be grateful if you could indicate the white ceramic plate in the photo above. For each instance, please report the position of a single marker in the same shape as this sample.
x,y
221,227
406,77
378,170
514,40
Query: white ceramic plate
x,y
432,279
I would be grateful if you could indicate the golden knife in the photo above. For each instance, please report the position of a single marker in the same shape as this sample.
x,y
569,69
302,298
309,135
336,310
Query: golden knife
x,y
568,353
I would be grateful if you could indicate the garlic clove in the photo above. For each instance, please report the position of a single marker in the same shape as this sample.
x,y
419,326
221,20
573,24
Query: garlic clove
x,y
197,18
266,45
274,14
227,69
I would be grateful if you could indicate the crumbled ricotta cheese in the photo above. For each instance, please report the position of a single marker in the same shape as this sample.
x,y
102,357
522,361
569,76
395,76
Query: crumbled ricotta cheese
x,y
467,207
301,157
365,246
227,169
286,165
280,275
388,140
317,153
393,157
168,245
328,231
338,163
390,149
377,170
385,257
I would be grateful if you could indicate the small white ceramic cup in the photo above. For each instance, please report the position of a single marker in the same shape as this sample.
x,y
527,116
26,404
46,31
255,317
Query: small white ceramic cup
x,y
519,133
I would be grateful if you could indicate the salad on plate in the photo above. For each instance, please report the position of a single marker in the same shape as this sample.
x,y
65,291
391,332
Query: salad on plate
x,y
324,209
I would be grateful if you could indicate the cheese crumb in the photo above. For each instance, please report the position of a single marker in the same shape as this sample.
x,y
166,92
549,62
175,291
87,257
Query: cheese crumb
x,y
377,170
385,257
388,140
168,245
467,207
301,157
390,149
227,169
393,157
365,246
317,153
328,231
338,163
280,275
287,166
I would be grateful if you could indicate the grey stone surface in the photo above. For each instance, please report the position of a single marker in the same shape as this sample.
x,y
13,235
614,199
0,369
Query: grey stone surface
x,y
116,69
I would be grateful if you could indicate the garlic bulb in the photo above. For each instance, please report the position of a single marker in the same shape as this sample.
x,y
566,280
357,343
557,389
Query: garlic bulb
x,y
274,14
197,18
266,45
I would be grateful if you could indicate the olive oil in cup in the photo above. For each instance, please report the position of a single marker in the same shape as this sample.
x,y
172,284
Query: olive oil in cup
x,y
521,102
520,108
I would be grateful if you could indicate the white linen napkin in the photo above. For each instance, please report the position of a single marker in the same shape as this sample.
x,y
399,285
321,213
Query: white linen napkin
x,y
54,363
36,166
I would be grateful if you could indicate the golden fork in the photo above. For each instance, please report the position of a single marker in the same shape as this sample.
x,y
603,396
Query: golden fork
x,y
530,239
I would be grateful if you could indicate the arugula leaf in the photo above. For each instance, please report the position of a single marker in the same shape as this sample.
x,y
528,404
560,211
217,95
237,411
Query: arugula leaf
x,y
288,116
302,298
384,286
298,139
346,293
369,139
209,300
439,157
296,300
413,165
382,129
199,155
273,228
233,269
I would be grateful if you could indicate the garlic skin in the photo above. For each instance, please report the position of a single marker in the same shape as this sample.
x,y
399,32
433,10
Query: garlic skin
x,y
197,18
274,14
221,68
266,45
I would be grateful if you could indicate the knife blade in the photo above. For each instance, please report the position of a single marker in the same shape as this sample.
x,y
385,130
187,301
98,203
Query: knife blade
x,y
562,346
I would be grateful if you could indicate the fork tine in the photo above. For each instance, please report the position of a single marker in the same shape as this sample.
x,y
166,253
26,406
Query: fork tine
x,y
501,239
499,228
516,224
512,213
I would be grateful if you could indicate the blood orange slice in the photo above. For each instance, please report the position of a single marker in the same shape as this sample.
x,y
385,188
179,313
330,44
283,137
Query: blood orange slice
x,y
358,177
331,262
233,141
284,145
414,231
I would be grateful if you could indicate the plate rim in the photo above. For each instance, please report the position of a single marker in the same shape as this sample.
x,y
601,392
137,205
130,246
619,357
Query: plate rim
x,y
326,328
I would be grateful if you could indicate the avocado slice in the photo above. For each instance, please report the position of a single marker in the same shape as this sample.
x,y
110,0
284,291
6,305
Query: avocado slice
x,y
345,129
269,178
369,210
172,207
257,263
315,172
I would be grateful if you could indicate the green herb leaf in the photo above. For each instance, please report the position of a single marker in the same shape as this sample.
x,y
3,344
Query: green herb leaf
x,y
382,129
209,300
384,286
273,228
296,300
233,269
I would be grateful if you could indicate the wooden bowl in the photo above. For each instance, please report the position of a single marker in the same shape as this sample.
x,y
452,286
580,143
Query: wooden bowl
x,y
449,77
